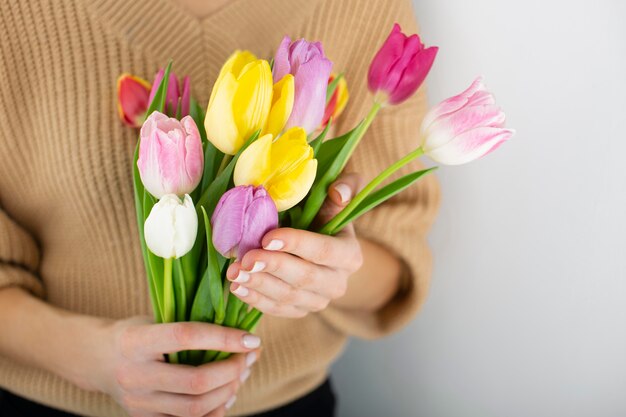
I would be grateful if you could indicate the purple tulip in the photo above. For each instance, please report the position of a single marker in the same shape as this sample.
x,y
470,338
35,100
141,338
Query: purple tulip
x,y
173,94
400,66
310,67
241,218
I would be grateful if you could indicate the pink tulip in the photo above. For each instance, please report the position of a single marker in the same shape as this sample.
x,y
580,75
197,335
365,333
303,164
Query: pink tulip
x,y
311,69
464,127
174,94
400,66
170,155
132,99
241,218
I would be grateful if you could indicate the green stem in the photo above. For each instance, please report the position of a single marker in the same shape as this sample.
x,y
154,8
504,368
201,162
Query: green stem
x,y
225,160
329,228
180,292
320,189
168,292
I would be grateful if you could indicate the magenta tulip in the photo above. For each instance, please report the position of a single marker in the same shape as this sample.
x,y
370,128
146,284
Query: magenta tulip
x,y
174,94
399,67
241,218
310,67
464,127
170,155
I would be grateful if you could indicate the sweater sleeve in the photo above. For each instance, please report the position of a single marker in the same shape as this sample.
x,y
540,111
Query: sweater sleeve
x,y
402,223
19,257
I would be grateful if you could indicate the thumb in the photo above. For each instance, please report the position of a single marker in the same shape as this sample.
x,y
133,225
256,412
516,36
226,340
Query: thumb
x,y
340,193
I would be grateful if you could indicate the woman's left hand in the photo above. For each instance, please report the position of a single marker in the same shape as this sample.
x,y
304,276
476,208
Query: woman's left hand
x,y
298,271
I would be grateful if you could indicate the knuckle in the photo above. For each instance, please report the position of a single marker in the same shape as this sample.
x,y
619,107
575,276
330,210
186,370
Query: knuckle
x,y
288,296
128,401
324,252
199,381
123,376
307,277
195,407
321,304
182,333
126,341
356,260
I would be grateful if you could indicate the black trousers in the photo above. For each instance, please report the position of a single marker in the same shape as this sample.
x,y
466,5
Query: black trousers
x,y
318,403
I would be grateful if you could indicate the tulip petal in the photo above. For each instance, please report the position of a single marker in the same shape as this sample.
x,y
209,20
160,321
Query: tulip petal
x,y
452,104
470,145
282,104
447,127
228,220
414,75
311,82
290,190
254,163
261,216
186,97
385,59
253,98
185,227
282,66
132,99
233,65
219,121
159,228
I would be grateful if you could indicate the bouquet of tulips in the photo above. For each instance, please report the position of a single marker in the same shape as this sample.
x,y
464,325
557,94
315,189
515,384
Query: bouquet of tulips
x,y
210,184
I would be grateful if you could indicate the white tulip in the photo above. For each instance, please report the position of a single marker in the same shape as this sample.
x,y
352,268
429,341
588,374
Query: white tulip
x,y
170,229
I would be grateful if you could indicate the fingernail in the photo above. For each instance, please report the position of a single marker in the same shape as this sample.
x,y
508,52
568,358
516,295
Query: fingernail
x,y
275,244
242,277
345,192
230,402
257,267
241,291
251,358
245,374
251,341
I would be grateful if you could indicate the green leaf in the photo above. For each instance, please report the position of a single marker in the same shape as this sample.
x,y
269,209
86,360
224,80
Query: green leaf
x,y
215,273
332,87
317,142
158,102
381,195
329,150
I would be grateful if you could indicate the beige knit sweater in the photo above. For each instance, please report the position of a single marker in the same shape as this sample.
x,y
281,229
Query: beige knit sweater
x,y
67,222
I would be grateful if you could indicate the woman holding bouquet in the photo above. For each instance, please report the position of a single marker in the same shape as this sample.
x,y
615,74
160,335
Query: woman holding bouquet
x,y
76,337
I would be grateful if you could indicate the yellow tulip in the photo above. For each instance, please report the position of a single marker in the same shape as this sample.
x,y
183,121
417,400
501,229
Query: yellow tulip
x,y
282,103
285,167
242,102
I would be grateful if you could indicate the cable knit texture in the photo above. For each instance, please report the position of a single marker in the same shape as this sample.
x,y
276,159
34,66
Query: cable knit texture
x,y
67,222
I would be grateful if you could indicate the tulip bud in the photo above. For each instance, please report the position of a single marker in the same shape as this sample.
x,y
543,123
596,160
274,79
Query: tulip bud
x,y
171,227
132,99
311,69
337,101
399,67
464,127
240,102
241,218
285,167
170,155
173,94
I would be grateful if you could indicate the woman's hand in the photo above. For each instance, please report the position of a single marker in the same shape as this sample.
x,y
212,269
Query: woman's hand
x,y
297,271
130,367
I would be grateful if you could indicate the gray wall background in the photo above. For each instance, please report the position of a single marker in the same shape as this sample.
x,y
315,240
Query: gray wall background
x,y
527,311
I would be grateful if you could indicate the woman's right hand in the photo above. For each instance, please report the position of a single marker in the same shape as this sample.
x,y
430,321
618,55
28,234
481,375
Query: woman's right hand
x,y
130,367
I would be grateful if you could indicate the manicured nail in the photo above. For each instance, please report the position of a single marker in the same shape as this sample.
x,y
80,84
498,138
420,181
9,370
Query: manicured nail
x,y
275,244
231,402
241,291
251,358
345,192
251,341
245,374
257,267
242,277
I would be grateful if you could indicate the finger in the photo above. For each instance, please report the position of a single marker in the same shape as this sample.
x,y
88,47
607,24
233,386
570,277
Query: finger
x,y
292,269
284,294
156,339
340,193
181,404
264,303
331,251
185,379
